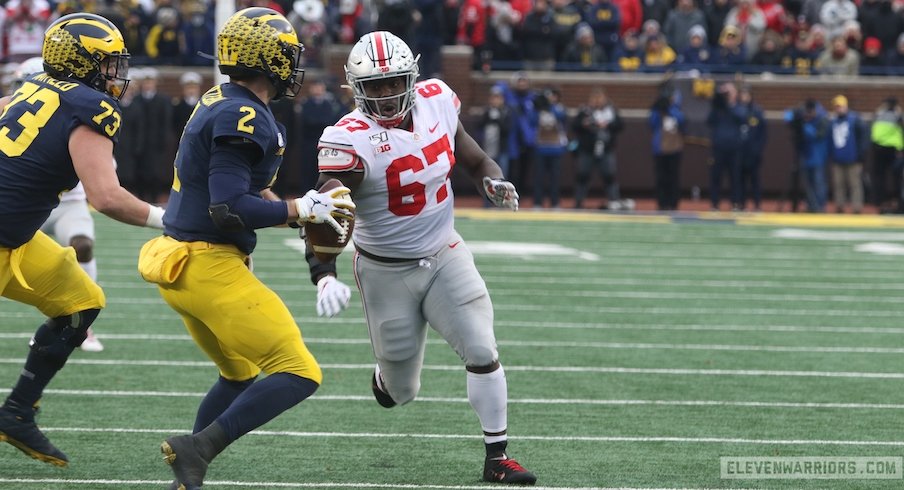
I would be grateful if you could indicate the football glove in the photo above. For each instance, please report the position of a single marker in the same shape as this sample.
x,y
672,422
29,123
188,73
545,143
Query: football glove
x,y
501,193
325,207
332,296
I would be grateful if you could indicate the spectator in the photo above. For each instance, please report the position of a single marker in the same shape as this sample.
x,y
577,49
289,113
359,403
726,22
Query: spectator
x,y
873,62
25,23
566,17
495,129
800,59
650,28
667,129
852,35
398,17
155,164
318,110
848,144
716,12
658,53
770,53
839,60
605,19
629,55
878,19
814,134
751,22
811,11
725,120
753,142
775,15
539,38
834,14
731,50
504,20
596,128
583,52
183,106
697,52
631,14
888,142
656,10
523,139
552,142
896,58
165,42
679,22
199,33
427,39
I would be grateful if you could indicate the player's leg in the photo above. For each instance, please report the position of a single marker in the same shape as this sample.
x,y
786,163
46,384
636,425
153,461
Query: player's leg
x,y
49,279
458,307
74,226
244,327
391,296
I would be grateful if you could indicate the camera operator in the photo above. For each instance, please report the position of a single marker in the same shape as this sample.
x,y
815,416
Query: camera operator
x,y
595,128
810,130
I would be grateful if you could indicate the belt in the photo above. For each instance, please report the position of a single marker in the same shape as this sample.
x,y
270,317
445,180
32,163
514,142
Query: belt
x,y
388,260
208,246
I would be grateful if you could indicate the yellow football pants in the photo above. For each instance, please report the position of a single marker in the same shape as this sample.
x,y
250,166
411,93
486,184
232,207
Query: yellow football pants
x,y
241,324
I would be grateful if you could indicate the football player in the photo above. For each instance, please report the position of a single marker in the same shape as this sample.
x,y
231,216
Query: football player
x,y
70,223
57,129
229,155
395,152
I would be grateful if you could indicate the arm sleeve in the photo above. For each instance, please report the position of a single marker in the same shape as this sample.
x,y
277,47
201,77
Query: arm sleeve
x,y
229,180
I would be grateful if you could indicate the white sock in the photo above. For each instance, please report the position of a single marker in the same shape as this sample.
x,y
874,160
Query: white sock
x,y
488,395
91,268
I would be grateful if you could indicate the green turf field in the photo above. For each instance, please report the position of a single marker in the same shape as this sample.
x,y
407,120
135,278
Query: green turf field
x,y
638,352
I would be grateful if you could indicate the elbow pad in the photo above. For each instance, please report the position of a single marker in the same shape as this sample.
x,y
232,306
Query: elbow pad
x,y
225,219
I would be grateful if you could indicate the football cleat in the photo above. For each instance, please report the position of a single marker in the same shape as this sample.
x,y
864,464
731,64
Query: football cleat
x,y
185,460
382,397
26,437
503,469
91,343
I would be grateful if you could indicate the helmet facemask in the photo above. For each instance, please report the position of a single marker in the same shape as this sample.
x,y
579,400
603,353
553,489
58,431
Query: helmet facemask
x,y
112,74
291,86
373,106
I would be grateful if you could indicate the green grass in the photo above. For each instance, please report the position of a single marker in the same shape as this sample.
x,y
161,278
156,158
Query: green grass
x,y
637,364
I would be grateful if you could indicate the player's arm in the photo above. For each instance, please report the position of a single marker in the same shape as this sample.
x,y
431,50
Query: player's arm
x,y
92,158
484,171
4,101
233,207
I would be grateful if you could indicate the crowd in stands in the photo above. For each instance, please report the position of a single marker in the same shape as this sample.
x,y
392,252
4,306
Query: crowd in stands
x,y
803,37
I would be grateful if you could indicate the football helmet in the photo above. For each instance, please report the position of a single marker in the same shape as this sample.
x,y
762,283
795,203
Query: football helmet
x,y
381,55
259,40
90,49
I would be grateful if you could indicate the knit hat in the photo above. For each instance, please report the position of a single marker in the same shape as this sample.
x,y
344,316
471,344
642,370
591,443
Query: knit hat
x,y
872,44
840,101
697,30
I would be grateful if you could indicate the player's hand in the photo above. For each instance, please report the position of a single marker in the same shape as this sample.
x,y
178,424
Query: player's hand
x,y
501,193
325,207
332,296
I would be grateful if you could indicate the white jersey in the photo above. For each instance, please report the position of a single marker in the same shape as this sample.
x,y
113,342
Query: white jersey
x,y
405,202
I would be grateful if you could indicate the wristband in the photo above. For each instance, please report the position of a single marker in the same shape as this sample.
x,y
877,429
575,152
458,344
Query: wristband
x,y
155,217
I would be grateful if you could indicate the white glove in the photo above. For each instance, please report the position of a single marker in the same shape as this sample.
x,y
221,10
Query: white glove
x,y
501,193
332,296
325,207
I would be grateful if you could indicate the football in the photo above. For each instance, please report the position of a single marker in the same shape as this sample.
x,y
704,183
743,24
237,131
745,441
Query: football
x,y
326,243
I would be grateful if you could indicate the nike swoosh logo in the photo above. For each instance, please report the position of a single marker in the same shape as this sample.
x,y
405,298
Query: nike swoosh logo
x,y
453,245
434,127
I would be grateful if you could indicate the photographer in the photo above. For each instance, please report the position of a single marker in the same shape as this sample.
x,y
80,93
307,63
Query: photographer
x,y
810,130
725,120
595,128
552,143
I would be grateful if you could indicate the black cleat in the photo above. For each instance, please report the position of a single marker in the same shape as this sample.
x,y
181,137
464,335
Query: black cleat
x,y
382,397
503,469
186,461
26,437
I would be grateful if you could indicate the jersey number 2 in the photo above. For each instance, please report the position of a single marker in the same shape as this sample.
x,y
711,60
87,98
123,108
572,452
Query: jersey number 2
x,y
410,199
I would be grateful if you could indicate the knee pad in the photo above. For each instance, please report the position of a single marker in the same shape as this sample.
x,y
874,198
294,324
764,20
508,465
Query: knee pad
x,y
84,248
57,337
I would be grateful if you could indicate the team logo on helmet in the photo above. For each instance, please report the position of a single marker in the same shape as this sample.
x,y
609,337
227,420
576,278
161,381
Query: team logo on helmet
x,y
261,40
381,55
87,48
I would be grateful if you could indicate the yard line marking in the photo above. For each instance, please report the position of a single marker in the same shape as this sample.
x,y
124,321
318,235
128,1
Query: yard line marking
x,y
707,296
548,369
519,401
260,484
556,438
698,327
554,343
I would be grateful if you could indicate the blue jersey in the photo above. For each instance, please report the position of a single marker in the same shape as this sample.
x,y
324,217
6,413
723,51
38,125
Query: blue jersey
x,y
225,111
35,165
